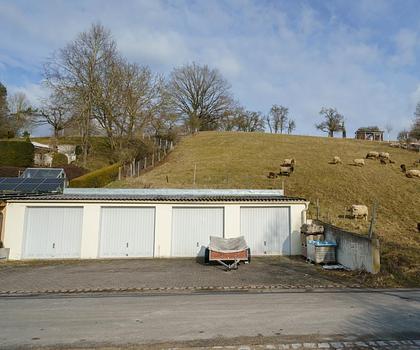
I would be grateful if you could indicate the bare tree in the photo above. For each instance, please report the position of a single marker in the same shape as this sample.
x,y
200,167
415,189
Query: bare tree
x,y
20,112
75,71
291,125
200,95
140,96
240,119
277,119
333,121
388,128
55,112
403,136
415,129
4,113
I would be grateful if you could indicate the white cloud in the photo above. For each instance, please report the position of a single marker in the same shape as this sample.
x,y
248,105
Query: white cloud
x,y
33,91
304,58
406,42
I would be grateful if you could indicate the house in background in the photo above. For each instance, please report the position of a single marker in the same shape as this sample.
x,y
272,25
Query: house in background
x,y
371,133
43,154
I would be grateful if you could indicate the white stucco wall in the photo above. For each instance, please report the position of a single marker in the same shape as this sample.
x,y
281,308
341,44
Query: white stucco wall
x,y
14,229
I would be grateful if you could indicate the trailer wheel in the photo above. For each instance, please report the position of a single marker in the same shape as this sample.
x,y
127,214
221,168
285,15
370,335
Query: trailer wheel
x,y
249,255
207,256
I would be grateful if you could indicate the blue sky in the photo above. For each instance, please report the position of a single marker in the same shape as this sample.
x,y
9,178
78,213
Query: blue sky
x,y
361,57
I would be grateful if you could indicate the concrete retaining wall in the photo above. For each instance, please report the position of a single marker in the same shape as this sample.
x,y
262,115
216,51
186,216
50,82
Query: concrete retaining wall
x,y
354,251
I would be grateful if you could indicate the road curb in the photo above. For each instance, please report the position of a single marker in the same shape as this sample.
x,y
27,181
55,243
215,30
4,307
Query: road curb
x,y
190,289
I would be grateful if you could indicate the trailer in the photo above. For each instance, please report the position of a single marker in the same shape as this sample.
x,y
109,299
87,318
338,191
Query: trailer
x,y
228,252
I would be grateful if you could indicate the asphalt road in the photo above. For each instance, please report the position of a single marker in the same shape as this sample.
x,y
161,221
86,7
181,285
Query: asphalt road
x,y
219,319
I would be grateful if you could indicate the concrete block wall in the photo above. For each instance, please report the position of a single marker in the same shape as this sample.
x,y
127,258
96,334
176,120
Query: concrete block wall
x,y
353,250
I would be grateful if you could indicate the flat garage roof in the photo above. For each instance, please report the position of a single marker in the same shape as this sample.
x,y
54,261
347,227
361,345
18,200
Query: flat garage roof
x,y
101,194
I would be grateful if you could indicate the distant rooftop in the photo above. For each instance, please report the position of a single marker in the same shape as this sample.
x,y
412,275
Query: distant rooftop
x,y
40,145
369,129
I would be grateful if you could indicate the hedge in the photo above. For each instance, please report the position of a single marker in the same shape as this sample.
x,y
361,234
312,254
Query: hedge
x,y
16,153
59,160
97,178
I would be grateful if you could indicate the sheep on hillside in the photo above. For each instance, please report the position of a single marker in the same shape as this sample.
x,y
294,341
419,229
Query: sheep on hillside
x,y
286,170
289,162
372,155
336,160
359,162
413,173
359,211
271,175
384,155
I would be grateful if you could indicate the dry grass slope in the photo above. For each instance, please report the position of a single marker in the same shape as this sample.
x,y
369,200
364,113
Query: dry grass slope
x,y
243,160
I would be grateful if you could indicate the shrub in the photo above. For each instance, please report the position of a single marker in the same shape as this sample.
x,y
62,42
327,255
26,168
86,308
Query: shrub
x,y
59,160
16,153
78,150
73,171
97,178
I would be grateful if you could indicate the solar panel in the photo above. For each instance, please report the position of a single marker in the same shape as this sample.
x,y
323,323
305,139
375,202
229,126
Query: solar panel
x,y
10,180
31,185
43,173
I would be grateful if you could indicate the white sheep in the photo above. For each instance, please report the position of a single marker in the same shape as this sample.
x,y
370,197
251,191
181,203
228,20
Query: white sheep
x,y
359,211
359,162
288,162
384,155
413,173
372,155
286,170
336,160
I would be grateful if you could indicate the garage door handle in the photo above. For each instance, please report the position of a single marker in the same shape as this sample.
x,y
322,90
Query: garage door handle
x,y
265,243
127,244
198,244
53,245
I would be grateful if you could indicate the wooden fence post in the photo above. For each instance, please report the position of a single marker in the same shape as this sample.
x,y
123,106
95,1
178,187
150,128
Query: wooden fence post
x,y
145,162
153,159
119,173
317,208
195,171
372,220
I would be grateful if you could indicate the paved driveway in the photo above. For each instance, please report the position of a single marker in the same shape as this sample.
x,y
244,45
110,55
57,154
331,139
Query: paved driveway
x,y
278,272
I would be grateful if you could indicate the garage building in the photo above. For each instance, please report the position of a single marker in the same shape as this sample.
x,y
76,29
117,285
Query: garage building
x,y
117,223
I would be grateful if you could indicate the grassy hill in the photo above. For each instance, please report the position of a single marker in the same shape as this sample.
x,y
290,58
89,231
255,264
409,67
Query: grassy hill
x,y
243,160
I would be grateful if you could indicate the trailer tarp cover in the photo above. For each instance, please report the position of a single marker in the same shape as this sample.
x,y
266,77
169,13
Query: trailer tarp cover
x,y
227,245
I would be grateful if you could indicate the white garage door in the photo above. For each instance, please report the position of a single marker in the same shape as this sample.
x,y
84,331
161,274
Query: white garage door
x,y
53,232
266,230
127,232
192,228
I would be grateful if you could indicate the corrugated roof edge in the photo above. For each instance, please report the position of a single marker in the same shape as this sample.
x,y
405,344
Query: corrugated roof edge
x,y
158,198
